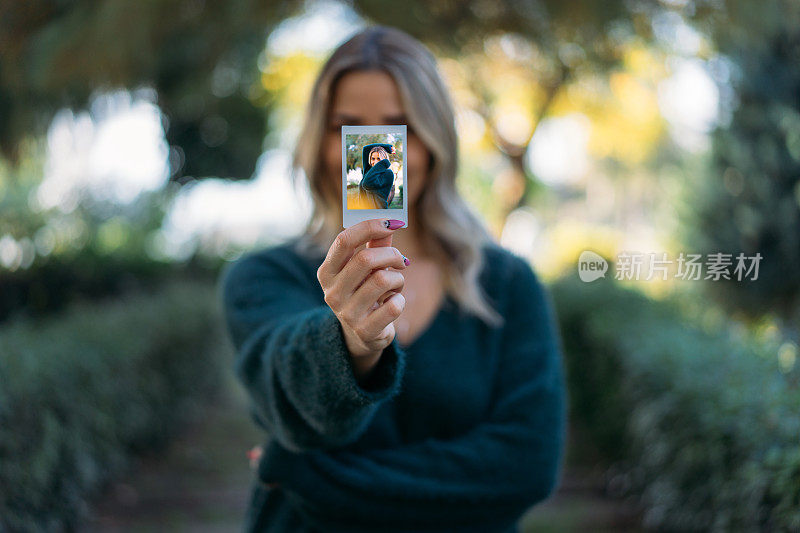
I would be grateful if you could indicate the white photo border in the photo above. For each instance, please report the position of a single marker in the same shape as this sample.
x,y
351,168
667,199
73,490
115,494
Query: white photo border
x,y
354,216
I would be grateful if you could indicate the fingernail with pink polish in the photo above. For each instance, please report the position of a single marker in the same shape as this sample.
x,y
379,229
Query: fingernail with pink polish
x,y
406,260
393,224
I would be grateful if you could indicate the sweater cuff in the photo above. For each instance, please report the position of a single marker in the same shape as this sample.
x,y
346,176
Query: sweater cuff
x,y
384,379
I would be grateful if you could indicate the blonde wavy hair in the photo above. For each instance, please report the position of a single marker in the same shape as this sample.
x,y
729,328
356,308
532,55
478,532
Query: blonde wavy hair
x,y
448,228
381,152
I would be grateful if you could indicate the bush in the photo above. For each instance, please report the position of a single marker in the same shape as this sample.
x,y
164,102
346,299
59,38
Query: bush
x,y
52,283
701,427
82,392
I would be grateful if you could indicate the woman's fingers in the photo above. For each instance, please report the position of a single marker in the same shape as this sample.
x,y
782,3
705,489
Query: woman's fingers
x,y
377,320
361,287
362,264
345,244
373,290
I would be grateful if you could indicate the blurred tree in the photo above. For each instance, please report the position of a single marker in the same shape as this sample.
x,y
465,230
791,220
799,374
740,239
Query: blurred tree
x,y
198,56
751,201
548,44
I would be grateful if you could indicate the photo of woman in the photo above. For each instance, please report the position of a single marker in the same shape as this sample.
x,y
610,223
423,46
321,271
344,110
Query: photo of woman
x,y
378,177
373,181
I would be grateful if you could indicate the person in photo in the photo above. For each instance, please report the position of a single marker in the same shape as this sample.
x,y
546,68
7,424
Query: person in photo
x,y
378,177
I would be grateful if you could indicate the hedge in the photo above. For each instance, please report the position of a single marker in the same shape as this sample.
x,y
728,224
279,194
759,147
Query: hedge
x,y
53,282
84,391
700,427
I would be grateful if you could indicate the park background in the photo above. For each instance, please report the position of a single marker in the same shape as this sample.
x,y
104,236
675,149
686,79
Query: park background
x,y
147,144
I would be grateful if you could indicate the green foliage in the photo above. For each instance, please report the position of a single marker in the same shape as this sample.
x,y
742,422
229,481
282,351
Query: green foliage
x,y
397,202
99,248
750,201
562,32
357,143
700,426
199,57
82,392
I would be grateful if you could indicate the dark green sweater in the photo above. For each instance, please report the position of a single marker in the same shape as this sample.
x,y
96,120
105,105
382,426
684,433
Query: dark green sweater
x,y
378,178
463,430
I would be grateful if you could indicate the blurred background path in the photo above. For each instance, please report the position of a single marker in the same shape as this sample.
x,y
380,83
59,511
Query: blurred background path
x,y
201,483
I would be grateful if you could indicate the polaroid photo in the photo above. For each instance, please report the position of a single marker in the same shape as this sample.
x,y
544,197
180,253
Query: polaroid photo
x,y
373,173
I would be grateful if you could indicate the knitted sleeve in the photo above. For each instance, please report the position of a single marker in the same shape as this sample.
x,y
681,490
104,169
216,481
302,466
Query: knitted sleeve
x,y
378,177
481,481
292,358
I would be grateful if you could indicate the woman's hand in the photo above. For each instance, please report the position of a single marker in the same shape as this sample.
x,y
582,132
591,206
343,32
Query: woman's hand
x,y
362,290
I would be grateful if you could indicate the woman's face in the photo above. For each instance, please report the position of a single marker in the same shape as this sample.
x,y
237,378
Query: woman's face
x,y
374,158
371,97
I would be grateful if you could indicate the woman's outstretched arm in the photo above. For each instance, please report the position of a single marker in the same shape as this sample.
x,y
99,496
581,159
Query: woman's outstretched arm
x,y
292,358
480,481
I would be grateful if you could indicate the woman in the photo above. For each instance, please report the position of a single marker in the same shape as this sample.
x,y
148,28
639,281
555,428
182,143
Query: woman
x,y
419,393
376,188
378,176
